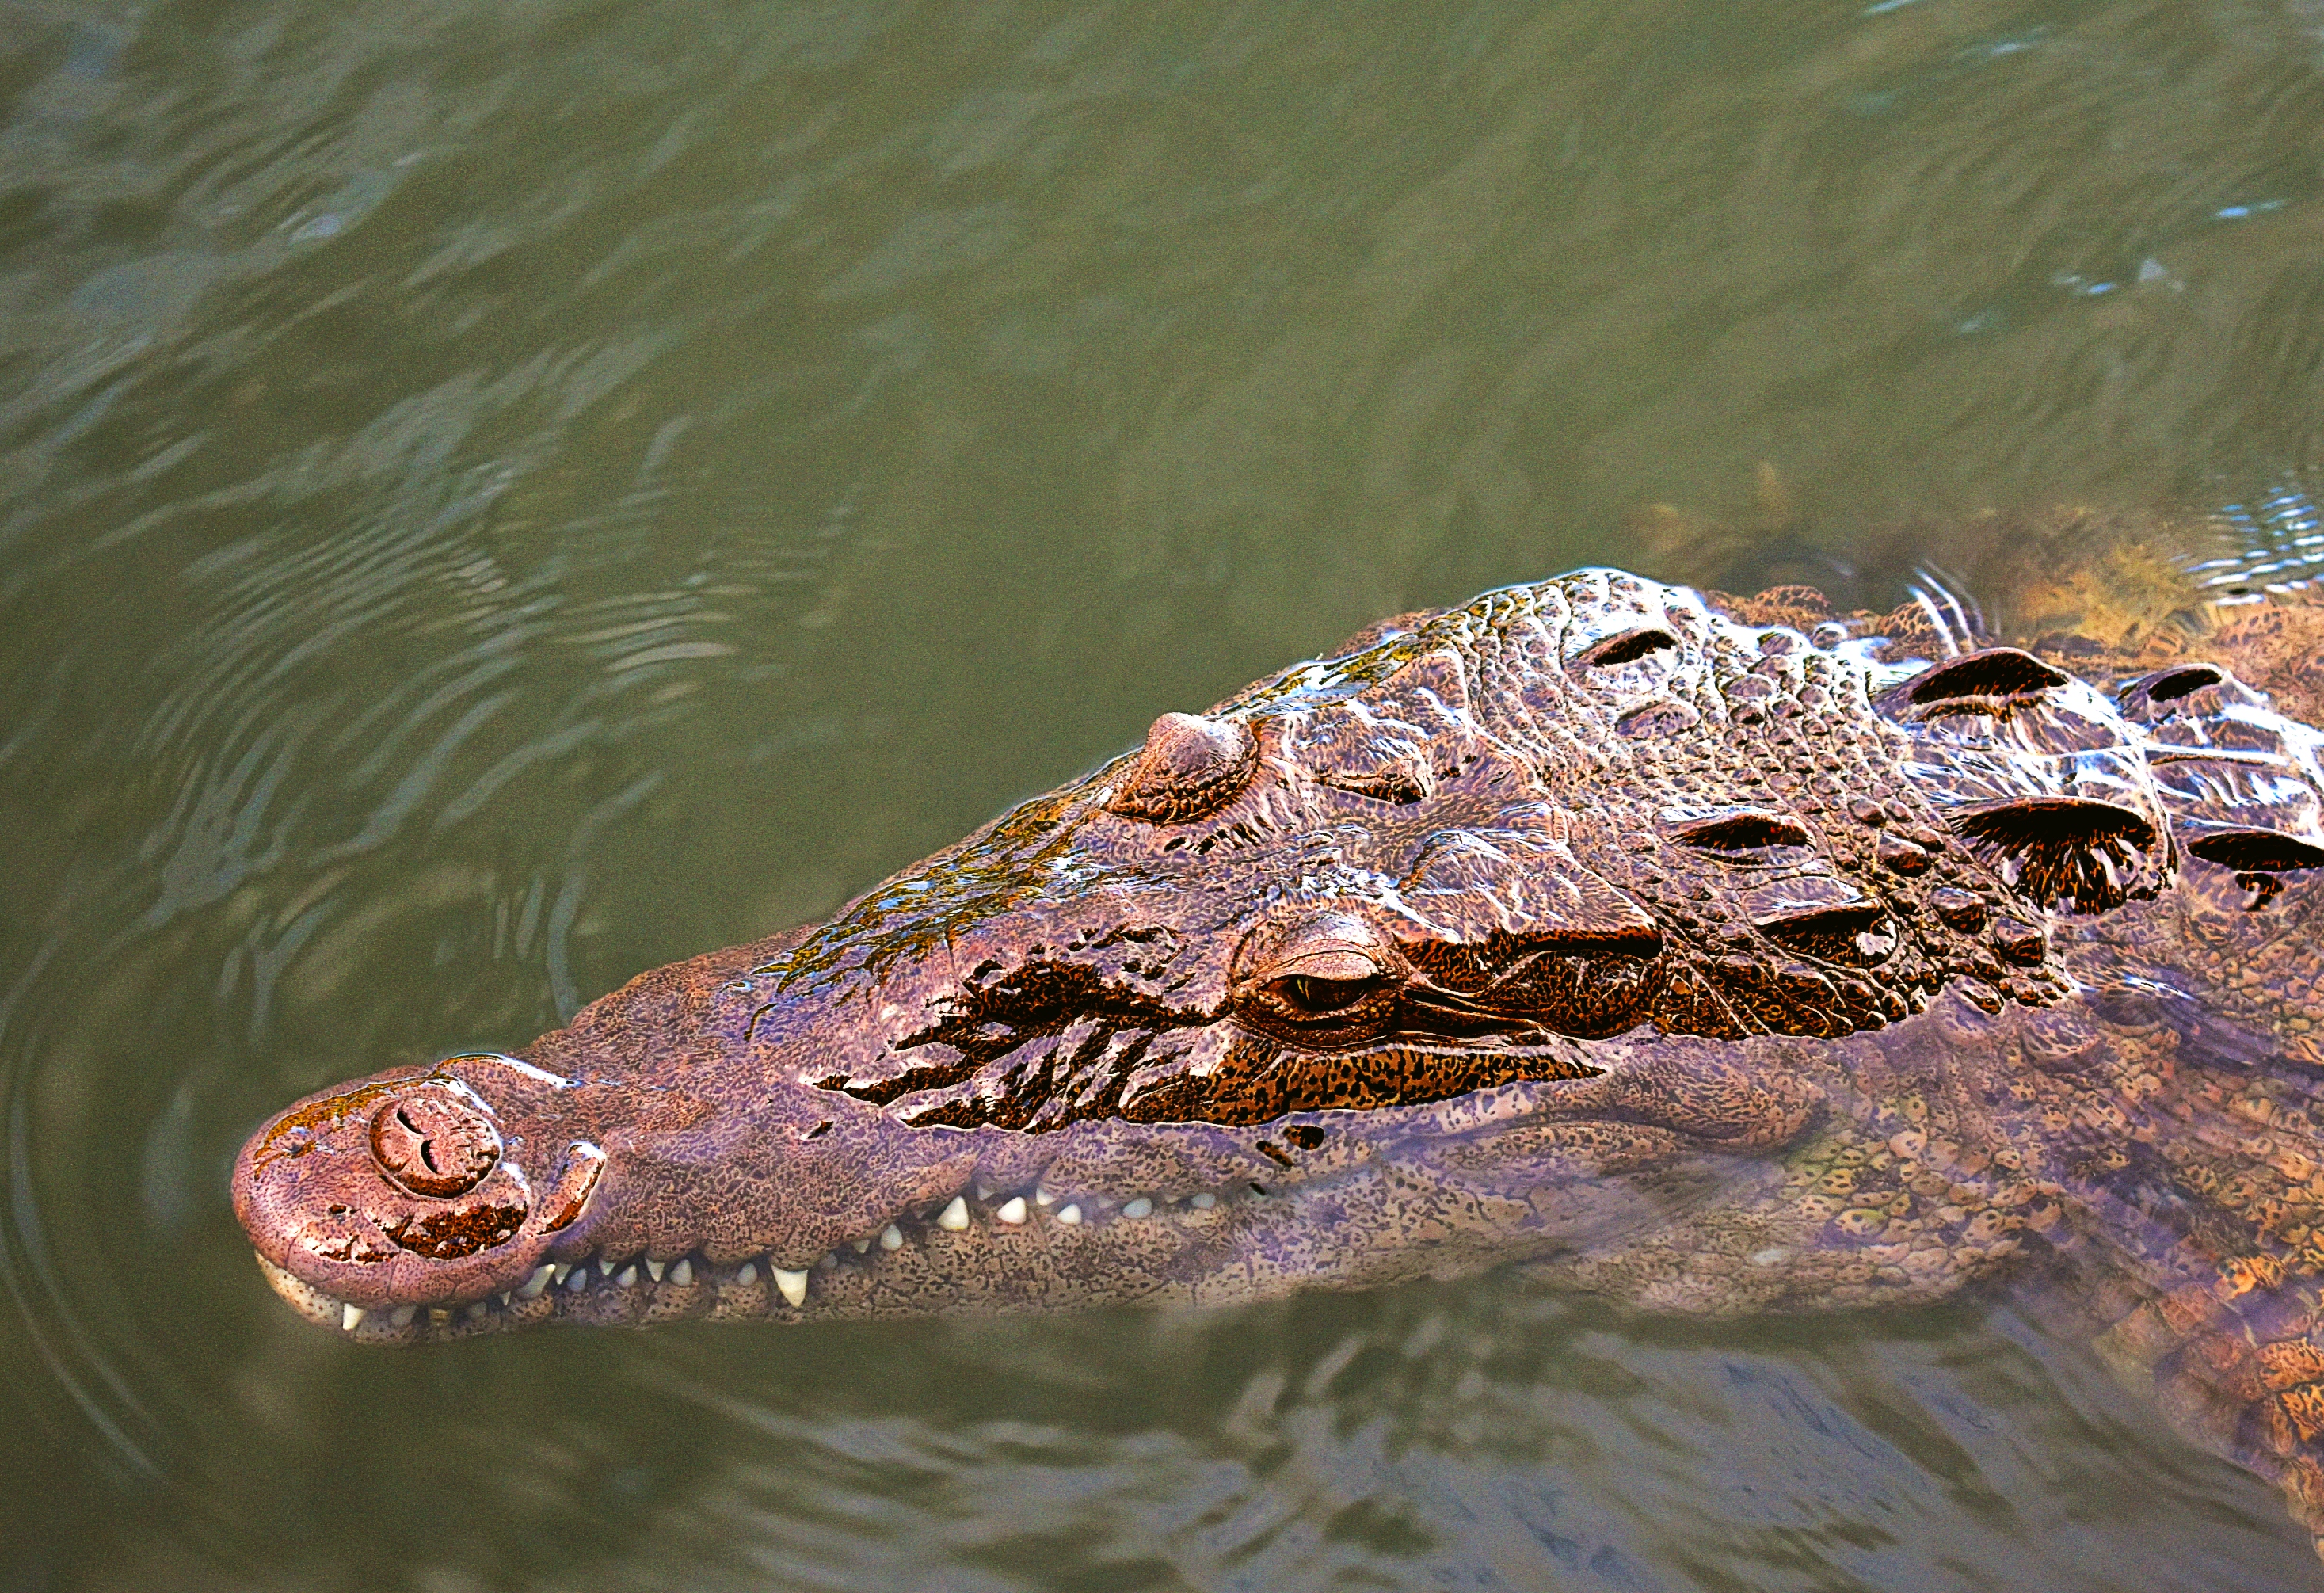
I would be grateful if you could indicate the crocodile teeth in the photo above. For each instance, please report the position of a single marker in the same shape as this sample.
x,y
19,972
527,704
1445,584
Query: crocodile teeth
x,y
1069,1215
400,1317
1012,1209
954,1217
748,1274
1042,1197
1140,1206
861,1244
682,1274
557,1272
576,1279
542,1277
1203,1202
504,1299
629,1276
351,1318
793,1285
477,1309
891,1238
653,1269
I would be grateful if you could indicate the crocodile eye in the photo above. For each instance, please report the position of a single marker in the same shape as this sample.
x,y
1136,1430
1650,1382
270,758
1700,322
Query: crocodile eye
x,y
1330,984
1323,998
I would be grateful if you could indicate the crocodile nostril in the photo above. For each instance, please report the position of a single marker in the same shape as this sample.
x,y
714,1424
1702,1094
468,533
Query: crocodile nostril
x,y
433,1143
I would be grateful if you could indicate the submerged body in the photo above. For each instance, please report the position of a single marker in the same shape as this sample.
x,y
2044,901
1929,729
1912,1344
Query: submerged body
x,y
1717,962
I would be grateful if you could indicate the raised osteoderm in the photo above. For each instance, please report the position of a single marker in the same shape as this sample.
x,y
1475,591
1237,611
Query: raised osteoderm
x,y
1722,967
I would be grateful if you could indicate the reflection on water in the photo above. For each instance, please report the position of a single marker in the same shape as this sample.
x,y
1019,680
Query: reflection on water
x,y
493,498
2275,543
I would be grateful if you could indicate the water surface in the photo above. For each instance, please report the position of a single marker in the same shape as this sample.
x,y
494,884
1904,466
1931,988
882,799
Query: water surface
x,y
496,497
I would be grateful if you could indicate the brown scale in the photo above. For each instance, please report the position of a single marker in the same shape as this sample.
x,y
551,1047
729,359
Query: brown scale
x,y
1784,896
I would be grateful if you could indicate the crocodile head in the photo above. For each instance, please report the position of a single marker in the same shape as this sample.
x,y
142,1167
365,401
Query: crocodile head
x,y
1558,928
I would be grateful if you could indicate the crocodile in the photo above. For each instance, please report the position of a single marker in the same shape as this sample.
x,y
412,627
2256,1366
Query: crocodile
x,y
1720,954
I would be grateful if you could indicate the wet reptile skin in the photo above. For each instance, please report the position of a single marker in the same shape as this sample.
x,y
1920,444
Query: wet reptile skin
x,y
1692,950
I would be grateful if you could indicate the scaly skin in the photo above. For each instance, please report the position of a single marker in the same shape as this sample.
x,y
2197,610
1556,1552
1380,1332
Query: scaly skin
x,y
1716,962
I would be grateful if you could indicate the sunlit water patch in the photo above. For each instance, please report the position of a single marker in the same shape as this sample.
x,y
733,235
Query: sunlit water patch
x,y
2274,542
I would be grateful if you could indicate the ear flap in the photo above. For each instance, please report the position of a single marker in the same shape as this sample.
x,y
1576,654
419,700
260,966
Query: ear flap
x,y
1510,922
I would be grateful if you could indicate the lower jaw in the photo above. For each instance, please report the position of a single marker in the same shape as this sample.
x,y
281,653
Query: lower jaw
x,y
962,1259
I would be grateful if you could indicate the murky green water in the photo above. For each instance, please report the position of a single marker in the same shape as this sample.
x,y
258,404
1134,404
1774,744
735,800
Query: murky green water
x,y
496,497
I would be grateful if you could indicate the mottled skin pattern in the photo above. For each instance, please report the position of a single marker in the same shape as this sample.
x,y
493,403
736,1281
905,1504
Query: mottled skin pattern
x,y
1715,962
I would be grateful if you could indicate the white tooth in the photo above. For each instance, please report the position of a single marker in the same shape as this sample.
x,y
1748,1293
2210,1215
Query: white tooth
x,y
955,1216
792,1283
891,1238
400,1317
540,1279
1012,1209
604,1267
350,1318
984,1194
557,1272
504,1299
576,1280
1042,1197
748,1274
861,1244
682,1274
477,1309
653,1269
1140,1206
629,1278
1203,1202
1070,1215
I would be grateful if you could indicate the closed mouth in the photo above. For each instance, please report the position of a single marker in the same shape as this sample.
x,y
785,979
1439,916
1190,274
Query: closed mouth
x,y
895,1270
